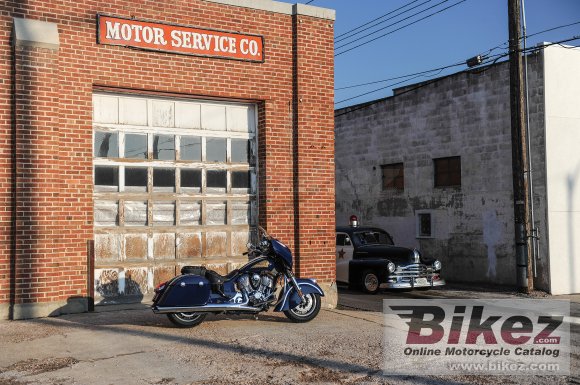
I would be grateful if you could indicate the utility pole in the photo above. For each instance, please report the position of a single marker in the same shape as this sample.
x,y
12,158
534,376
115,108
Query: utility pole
x,y
519,152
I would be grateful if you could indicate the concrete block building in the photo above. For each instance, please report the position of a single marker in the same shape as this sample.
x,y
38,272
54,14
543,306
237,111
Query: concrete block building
x,y
138,137
432,165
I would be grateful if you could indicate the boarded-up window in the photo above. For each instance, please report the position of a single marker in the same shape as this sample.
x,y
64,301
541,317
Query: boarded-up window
x,y
447,171
190,213
393,176
216,213
135,213
163,213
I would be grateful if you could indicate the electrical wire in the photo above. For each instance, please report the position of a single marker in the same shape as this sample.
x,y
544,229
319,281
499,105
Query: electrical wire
x,y
552,29
398,29
337,39
390,25
484,54
378,18
399,77
421,85
422,74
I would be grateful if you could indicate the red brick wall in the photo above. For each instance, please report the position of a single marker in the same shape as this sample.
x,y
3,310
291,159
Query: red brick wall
x,y
38,176
314,147
54,132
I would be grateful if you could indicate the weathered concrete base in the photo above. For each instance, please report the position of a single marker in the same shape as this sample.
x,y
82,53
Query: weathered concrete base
x,y
4,311
330,299
50,309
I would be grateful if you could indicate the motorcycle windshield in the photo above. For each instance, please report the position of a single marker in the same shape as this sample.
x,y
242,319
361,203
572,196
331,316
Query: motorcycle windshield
x,y
283,251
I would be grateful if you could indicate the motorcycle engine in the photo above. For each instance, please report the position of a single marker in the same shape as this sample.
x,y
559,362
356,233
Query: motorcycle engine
x,y
258,287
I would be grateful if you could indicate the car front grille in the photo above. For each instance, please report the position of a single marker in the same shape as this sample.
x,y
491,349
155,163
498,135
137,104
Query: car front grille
x,y
413,271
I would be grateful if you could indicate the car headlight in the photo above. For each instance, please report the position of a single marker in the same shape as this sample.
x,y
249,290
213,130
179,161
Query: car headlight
x,y
391,266
437,265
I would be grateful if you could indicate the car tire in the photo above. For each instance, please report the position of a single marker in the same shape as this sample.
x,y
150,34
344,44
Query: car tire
x,y
186,320
370,282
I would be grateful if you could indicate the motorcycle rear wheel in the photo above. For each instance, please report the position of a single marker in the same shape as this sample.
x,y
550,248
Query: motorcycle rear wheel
x,y
186,320
306,311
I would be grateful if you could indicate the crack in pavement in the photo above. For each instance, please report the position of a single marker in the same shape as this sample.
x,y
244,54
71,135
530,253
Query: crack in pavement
x,y
115,356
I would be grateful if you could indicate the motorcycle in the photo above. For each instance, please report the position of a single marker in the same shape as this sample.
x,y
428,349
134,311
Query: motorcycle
x,y
266,280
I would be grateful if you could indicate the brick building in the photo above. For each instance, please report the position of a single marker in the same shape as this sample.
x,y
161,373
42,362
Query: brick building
x,y
433,165
138,137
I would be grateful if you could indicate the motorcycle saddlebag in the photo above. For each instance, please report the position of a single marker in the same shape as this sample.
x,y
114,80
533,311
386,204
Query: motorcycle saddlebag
x,y
185,290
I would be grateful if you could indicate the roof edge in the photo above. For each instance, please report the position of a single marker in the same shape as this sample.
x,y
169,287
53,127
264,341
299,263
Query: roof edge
x,y
280,7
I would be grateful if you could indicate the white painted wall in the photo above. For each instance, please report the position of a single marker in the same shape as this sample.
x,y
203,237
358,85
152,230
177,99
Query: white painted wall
x,y
562,110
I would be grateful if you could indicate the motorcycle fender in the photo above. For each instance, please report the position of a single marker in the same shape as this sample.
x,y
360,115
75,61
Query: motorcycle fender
x,y
185,290
290,298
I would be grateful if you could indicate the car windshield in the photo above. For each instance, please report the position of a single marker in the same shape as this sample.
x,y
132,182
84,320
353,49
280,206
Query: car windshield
x,y
373,238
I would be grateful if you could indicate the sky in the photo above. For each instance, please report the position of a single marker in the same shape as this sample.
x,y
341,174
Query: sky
x,y
454,35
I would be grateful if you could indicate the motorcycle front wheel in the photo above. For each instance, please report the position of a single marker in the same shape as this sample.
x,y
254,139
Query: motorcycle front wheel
x,y
305,311
186,320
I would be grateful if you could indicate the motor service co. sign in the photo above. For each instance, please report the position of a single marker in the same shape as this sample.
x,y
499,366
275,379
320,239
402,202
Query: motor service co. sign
x,y
179,39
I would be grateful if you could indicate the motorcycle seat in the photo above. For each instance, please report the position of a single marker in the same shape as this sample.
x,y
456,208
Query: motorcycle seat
x,y
217,279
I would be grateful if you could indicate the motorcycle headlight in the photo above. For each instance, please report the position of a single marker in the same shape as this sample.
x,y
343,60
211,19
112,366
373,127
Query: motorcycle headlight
x,y
391,266
437,265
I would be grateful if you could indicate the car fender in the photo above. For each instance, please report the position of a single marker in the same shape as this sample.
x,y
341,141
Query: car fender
x,y
358,266
289,298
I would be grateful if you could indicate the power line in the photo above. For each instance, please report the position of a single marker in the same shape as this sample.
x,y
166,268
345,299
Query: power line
x,y
341,37
423,74
378,18
451,65
392,24
553,29
308,2
398,29
379,89
418,74
533,34
421,85
399,77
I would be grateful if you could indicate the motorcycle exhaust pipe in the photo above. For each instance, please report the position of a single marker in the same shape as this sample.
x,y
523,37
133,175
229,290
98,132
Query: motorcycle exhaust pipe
x,y
209,308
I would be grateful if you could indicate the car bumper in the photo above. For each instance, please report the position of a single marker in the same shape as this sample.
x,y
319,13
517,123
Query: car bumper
x,y
411,283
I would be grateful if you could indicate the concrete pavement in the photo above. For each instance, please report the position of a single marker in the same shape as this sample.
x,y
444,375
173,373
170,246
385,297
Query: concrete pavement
x,y
343,346
352,299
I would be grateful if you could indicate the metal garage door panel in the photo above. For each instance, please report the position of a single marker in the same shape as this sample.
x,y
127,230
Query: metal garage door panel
x,y
188,198
162,113
213,117
133,111
187,115
239,119
105,109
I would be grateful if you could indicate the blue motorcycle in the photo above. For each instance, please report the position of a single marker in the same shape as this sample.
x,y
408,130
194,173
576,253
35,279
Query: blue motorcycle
x,y
266,280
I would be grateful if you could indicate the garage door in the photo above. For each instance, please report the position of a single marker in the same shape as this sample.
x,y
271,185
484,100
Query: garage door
x,y
174,184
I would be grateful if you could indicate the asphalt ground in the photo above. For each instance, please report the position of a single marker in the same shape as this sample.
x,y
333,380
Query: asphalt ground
x,y
341,346
353,299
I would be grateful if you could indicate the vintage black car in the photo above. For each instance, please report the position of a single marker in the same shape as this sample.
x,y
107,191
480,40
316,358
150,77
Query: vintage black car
x,y
367,258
